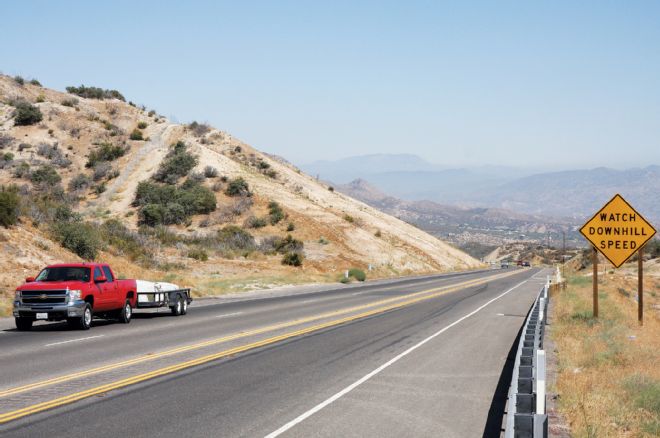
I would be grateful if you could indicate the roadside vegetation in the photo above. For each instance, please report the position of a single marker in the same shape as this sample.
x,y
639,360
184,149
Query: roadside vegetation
x,y
608,375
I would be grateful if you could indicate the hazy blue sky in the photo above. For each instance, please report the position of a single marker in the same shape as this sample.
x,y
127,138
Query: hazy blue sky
x,y
493,82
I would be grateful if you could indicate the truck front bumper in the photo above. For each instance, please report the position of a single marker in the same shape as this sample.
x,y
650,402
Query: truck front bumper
x,y
54,312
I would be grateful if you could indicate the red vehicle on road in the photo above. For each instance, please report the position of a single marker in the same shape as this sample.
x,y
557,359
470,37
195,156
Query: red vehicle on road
x,y
74,292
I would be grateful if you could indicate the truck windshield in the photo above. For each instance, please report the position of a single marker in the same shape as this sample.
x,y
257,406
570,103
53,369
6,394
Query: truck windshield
x,y
64,274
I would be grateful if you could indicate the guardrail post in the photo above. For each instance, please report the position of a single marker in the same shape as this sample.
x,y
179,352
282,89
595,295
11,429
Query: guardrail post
x,y
540,382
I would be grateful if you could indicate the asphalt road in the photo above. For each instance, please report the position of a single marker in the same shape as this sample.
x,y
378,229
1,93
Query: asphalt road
x,y
426,361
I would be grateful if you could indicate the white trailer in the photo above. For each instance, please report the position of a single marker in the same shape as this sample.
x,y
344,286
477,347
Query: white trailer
x,y
158,294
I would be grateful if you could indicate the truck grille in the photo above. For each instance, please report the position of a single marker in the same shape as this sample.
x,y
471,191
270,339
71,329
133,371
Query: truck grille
x,y
44,297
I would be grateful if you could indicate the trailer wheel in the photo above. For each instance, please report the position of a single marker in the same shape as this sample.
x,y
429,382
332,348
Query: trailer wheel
x,y
177,309
85,321
126,313
185,306
23,324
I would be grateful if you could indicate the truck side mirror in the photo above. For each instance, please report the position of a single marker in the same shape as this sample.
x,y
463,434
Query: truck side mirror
x,y
101,279
29,279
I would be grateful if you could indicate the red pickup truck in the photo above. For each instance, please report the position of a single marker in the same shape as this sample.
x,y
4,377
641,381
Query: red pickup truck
x,y
74,292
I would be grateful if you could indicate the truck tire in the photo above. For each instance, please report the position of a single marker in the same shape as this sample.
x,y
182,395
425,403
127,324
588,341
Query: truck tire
x,y
177,309
23,324
184,309
126,313
85,321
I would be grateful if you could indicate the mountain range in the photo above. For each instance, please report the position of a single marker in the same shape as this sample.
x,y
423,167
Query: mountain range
x,y
575,194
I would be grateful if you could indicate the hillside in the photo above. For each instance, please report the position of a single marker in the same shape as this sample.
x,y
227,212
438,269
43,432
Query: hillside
x,y
80,167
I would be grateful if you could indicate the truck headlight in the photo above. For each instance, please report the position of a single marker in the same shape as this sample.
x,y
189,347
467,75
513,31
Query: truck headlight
x,y
74,295
18,295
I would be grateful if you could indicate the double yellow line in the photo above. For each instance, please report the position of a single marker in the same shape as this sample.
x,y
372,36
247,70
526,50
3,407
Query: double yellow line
x,y
39,407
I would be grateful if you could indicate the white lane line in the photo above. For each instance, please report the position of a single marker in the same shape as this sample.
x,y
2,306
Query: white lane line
x,y
359,382
73,340
227,315
358,293
308,301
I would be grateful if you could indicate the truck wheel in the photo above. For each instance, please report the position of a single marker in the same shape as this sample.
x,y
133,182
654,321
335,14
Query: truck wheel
x,y
85,321
177,309
23,324
126,313
184,310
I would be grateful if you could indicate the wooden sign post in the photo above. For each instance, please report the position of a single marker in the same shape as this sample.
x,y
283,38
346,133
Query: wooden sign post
x,y
595,281
640,286
618,231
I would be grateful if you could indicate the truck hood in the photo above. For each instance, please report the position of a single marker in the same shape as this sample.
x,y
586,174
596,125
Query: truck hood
x,y
51,285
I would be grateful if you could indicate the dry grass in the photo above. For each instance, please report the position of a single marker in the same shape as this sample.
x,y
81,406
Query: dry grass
x,y
608,369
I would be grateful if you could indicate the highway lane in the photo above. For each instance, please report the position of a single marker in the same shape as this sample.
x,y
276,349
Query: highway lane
x,y
256,393
68,350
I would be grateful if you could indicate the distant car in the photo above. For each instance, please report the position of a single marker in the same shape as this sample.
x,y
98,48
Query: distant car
x,y
504,265
526,264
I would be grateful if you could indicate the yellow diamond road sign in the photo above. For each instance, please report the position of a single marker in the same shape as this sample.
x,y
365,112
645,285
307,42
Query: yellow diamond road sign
x,y
617,231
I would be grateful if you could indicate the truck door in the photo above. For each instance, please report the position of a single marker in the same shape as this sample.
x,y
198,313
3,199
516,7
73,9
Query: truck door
x,y
115,300
103,297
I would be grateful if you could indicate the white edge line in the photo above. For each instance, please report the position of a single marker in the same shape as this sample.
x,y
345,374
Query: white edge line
x,y
227,315
359,382
73,340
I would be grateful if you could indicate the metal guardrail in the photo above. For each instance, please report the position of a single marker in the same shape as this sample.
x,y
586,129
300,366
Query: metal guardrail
x,y
526,412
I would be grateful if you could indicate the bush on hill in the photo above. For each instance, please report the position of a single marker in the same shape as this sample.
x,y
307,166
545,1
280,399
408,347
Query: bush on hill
x,y
177,164
9,206
26,114
95,93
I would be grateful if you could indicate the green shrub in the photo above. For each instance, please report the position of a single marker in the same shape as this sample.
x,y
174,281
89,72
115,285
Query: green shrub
x,y
275,212
288,244
238,187
136,134
142,125
291,227
348,218
199,129
7,156
100,188
95,93
9,206
79,182
210,172
46,175
79,238
262,165
378,233
293,259
41,98
26,114
198,254
358,274
105,152
233,238
177,164
19,80
35,82
73,102
255,222
167,204
151,215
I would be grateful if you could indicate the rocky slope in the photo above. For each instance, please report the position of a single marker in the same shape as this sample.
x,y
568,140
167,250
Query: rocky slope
x,y
94,148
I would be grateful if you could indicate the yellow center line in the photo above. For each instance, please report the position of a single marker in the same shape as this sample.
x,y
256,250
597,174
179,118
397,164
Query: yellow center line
x,y
409,299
